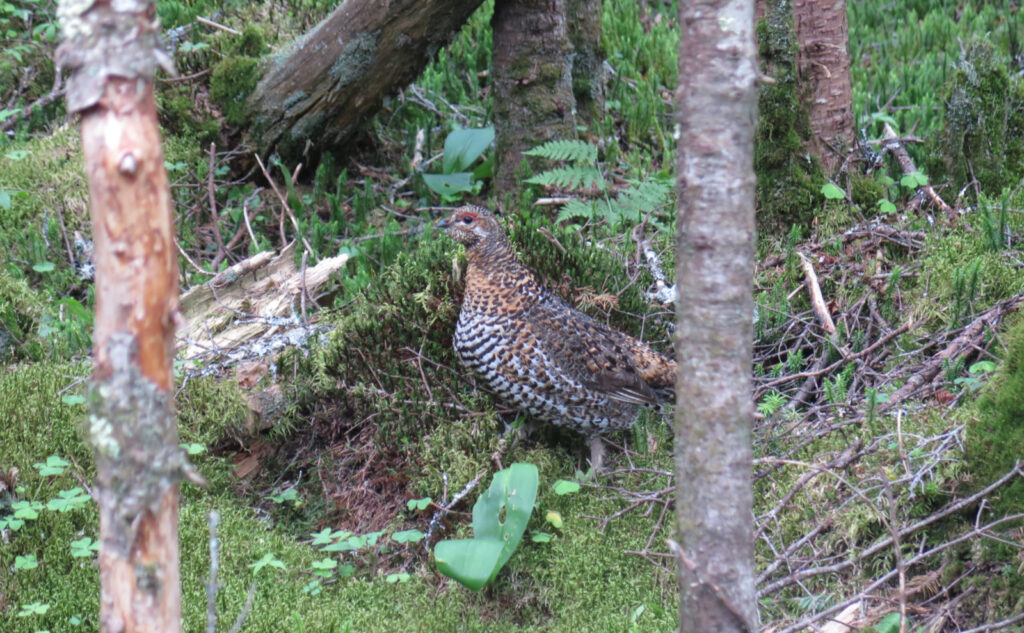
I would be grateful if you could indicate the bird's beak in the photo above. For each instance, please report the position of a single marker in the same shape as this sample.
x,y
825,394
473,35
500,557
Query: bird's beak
x,y
441,224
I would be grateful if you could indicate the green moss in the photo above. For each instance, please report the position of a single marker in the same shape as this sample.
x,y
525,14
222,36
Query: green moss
x,y
231,83
582,580
866,191
178,116
252,42
788,179
46,184
984,122
20,308
995,438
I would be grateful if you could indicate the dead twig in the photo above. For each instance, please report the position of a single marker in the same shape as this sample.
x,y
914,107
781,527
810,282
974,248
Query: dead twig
x,y
817,300
895,145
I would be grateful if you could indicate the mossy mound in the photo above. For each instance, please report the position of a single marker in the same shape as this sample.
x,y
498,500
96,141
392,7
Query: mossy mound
x,y
984,122
231,83
996,434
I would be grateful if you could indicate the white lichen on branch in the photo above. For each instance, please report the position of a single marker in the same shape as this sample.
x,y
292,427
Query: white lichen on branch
x,y
107,39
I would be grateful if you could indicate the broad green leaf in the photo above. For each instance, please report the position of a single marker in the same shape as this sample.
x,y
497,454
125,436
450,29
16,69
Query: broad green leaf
x,y
43,267
5,200
540,537
449,184
471,562
515,490
462,147
886,207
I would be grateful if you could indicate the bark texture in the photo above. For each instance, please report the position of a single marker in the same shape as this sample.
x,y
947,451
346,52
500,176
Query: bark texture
x,y
823,60
111,49
717,110
587,60
532,73
316,95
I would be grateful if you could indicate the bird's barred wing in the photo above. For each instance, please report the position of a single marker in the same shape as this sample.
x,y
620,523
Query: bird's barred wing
x,y
590,352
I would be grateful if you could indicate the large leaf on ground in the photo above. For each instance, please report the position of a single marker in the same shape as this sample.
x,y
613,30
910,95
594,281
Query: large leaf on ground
x,y
472,562
515,489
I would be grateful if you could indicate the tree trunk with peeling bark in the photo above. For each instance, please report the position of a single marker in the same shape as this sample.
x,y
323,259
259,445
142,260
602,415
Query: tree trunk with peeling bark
x,y
823,60
716,111
532,74
315,96
112,51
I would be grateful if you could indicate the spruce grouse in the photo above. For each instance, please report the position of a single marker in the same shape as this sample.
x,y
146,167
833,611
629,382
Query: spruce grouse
x,y
541,355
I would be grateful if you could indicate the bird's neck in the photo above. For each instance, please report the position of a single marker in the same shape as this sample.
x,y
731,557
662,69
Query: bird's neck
x,y
494,271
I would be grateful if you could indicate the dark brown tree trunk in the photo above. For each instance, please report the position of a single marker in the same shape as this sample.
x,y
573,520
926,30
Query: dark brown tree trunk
x,y
587,60
532,73
717,111
316,95
131,427
823,60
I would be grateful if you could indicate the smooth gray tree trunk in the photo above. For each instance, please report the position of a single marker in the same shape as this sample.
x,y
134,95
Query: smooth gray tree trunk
x,y
716,111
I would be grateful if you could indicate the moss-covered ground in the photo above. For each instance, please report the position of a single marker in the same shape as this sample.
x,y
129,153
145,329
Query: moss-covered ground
x,y
379,412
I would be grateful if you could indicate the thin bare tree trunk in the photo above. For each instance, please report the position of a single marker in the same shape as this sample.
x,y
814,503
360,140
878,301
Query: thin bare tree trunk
x,y
532,71
717,110
112,51
317,95
823,60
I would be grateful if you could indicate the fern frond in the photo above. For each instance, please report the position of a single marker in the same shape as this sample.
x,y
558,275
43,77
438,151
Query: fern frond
x,y
575,209
574,151
644,197
573,177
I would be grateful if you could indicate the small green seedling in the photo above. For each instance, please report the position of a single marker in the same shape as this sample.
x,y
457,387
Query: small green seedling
x,y
54,466
418,504
267,560
475,562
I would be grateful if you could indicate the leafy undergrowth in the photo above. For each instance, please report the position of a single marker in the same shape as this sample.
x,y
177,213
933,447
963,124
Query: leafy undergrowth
x,y
876,455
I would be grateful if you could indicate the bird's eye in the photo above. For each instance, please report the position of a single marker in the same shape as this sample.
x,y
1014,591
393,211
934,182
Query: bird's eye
x,y
468,218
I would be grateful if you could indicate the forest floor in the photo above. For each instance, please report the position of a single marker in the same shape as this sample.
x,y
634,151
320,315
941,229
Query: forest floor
x,y
887,480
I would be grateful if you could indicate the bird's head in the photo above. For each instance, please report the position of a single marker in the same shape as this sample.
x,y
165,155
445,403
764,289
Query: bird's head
x,y
472,226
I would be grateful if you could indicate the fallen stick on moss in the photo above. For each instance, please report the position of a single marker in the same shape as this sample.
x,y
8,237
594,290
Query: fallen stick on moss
x,y
967,338
895,145
817,300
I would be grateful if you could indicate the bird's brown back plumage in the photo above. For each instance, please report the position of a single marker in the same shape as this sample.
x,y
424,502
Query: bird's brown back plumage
x,y
539,353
